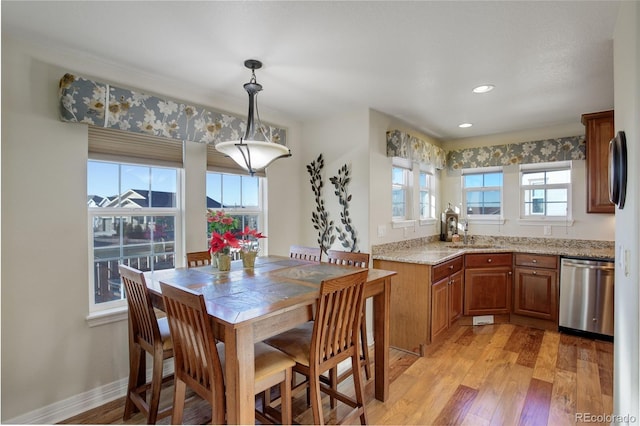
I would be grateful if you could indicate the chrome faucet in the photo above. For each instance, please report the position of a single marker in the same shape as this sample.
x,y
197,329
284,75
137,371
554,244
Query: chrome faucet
x,y
465,239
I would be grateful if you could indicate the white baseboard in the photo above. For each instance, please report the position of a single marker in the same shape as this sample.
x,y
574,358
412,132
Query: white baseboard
x,y
77,404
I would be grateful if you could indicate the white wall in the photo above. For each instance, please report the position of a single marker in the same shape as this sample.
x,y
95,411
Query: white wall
x,y
49,353
341,139
380,183
626,349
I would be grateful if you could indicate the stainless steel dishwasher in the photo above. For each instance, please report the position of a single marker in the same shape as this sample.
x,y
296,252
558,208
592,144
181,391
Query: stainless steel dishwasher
x,y
586,296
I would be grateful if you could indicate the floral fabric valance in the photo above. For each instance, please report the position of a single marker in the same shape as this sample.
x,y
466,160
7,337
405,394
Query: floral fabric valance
x,y
560,149
403,145
91,102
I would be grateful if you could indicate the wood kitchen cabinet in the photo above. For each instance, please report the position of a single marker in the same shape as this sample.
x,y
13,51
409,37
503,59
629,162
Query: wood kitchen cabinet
x,y
599,130
410,310
447,291
487,283
536,286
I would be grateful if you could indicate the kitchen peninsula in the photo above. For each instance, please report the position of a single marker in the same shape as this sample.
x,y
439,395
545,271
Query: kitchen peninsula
x,y
508,279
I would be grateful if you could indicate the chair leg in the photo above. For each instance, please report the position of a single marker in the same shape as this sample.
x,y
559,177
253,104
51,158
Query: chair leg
x,y
357,384
156,386
285,398
365,347
179,394
316,399
333,384
135,357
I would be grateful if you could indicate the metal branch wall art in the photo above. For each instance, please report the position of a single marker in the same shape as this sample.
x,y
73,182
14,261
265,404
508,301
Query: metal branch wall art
x,y
346,236
320,218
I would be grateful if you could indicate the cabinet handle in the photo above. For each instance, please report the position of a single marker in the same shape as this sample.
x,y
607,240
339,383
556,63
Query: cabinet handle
x,y
534,261
535,273
489,260
510,273
451,267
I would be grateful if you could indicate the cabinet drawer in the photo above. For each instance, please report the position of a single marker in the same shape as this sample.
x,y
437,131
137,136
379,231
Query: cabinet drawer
x,y
537,260
445,269
487,259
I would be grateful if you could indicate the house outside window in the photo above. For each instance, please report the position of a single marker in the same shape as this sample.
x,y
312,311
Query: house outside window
x,y
482,192
545,191
133,220
240,196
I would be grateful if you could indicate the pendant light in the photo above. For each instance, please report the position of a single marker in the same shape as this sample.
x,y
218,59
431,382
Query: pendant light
x,y
252,154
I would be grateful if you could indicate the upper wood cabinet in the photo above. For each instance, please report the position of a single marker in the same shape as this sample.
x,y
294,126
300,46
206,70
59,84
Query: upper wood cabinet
x,y
599,132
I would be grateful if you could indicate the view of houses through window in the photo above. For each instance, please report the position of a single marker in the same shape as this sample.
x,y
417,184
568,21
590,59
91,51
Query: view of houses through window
x,y
133,215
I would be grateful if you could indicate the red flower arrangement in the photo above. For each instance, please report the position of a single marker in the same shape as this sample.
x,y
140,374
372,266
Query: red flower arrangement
x,y
223,239
249,239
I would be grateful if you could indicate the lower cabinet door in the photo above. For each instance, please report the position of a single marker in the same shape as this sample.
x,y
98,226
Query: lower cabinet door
x,y
439,304
487,291
456,296
536,293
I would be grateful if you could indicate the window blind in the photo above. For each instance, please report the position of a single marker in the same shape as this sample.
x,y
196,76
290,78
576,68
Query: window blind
x,y
117,145
217,161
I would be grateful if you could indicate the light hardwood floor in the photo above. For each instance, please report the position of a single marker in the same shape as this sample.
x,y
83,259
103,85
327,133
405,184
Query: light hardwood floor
x,y
498,374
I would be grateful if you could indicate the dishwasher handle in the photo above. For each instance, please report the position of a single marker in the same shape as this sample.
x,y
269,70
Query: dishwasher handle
x,y
588,264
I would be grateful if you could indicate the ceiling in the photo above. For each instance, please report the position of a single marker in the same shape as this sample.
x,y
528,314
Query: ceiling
x,y
417,61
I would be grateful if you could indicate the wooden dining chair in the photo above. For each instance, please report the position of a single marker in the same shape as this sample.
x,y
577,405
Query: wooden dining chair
x,y
147,333
305,253
320,345
199,360
359,260
198,258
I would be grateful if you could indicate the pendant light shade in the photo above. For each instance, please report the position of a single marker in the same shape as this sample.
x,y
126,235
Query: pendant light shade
x,y
249,152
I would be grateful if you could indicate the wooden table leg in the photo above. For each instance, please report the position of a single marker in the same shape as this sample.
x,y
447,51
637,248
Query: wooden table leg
x,y
381,312
240,375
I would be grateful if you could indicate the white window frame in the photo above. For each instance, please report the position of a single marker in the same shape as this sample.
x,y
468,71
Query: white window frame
x,y
566,220
482,218
407,167
105,312
247,211
430,219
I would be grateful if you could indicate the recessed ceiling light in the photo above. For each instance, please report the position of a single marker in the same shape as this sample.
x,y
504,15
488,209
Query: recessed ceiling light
x,y
484,88
465,125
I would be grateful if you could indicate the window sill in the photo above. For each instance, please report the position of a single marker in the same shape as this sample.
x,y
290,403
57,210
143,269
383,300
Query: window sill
x,y
546,222
107,316
397,224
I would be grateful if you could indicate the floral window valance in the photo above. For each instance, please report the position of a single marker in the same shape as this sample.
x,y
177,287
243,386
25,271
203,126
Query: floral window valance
x,y
91,102
403,145
547,150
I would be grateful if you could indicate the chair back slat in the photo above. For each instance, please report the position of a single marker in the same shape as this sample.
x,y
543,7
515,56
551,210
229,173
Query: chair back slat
x,y
198,258
361,260
338,317
305,253
141,314
196,358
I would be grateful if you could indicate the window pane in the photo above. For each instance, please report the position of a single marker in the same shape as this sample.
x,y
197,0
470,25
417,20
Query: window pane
x,y
556,209
536,178
559,176
102,183
493,179
249,191
554,195
134,178
397,203
163,187
214,190
424,180
473,181
231,195
398,176
424,204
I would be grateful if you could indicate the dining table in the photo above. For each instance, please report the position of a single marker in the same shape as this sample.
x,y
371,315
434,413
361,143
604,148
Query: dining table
x,y
248,305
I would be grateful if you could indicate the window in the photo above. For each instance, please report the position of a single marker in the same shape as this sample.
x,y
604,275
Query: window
x,y
545,190
482,192
238,195
133,219
427,200
400,193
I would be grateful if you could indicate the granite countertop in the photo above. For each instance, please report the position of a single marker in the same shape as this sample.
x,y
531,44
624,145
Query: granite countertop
x,y
433,253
